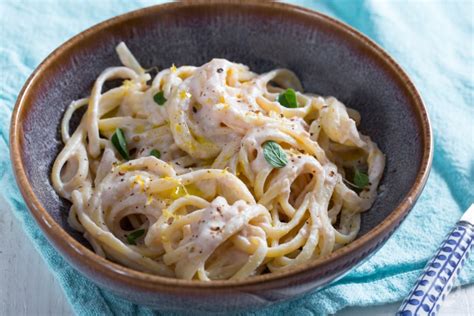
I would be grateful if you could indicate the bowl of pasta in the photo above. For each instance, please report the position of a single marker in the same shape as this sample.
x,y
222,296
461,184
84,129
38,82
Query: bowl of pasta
x,y
219,155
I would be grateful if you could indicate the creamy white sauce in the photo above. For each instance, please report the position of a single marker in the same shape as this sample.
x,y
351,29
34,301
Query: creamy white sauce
x,y
212,205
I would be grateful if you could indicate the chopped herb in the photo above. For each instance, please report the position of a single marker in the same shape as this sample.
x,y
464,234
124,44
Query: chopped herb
x,y
159,98
156,153
132,237
361,179
288,98
274,154
120,143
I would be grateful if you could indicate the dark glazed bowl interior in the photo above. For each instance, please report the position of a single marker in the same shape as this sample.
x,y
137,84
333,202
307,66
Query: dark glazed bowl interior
x,y
328,57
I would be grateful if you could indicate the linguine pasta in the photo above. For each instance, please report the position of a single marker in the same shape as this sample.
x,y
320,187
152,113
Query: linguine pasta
x,y
214,172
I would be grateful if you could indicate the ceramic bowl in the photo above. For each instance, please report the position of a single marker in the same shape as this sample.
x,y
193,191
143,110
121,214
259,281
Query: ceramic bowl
x,y
328,56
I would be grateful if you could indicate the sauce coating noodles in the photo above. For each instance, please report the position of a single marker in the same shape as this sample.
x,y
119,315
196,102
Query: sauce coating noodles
x,y
230,173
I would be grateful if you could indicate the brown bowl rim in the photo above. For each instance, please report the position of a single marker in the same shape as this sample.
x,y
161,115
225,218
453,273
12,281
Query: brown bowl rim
x,y
66,243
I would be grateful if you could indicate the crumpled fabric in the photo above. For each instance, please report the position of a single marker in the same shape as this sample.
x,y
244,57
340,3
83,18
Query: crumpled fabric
x,y
432,41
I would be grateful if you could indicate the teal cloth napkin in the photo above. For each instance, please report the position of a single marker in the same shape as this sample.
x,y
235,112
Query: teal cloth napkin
x,y
433,41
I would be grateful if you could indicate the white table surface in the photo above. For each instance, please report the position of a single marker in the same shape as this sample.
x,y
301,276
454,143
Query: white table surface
x,y
27,287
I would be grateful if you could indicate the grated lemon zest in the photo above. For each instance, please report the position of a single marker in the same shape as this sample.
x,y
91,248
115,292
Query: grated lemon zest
x,y
138,180
183,95
127,84
149,200
179,192
173,68
225,106
124,167
167,215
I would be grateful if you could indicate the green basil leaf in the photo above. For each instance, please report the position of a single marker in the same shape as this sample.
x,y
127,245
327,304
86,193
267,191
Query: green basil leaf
x,y
155,153
288,98
120,143
274,154
159,98
361,179
133,236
